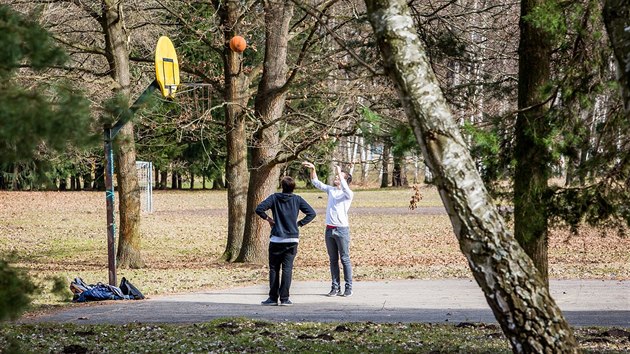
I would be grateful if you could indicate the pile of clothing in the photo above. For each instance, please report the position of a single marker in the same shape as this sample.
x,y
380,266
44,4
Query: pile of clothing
x,y
99,291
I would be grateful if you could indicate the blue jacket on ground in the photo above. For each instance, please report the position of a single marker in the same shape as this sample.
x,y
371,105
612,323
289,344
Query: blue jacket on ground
x,y
286,208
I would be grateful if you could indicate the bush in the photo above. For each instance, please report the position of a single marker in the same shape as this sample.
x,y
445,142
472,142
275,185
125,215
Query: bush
x,y
15,290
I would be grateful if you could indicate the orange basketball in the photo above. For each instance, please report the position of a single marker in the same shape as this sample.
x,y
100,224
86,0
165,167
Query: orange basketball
x,y
238,44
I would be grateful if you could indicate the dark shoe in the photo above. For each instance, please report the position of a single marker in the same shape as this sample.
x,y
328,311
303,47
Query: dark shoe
x,y
334,292
269,302
286,302
347,293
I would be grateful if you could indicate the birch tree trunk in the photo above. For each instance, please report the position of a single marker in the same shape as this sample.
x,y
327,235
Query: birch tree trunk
x,y
117,53
385,165
364,155
514,289
236,97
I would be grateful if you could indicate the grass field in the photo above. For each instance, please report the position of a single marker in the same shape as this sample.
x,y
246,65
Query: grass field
x,y
63,235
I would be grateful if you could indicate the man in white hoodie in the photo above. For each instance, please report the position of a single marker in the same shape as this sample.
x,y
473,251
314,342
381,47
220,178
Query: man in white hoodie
x,y
337,227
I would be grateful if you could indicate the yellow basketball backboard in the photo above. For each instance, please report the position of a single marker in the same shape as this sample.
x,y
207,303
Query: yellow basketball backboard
x,y
166,67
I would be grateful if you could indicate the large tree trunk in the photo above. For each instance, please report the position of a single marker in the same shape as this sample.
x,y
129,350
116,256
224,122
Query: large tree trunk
x,y
532,130
617,20
128,254
514,289
129,242
262,182
268,108
236,96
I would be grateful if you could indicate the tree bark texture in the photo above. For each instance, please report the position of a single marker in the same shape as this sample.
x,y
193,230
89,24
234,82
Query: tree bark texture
x,y
531,151
262,183
129,243
268,108
399,175
236,97
385,165
163,179
617,20
129,239
514,289
99,176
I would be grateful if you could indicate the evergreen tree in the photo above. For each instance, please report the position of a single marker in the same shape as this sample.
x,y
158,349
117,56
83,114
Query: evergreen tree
x,y
15,288
47,115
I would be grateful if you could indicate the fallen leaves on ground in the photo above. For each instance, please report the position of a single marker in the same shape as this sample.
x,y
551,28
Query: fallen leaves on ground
x,y
64,234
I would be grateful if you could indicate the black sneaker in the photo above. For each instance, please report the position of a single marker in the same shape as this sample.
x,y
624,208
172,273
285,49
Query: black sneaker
x,y
347,293
334,292
286,302
269,302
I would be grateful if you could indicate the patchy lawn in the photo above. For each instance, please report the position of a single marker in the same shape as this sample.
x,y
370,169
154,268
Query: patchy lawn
x,y
248,336
62,235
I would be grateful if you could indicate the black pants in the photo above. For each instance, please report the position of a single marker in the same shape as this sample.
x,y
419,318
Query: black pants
x,y
281,255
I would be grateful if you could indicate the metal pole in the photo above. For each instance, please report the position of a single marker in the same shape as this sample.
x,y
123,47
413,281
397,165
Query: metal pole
x,y
150,187
110,133
109,198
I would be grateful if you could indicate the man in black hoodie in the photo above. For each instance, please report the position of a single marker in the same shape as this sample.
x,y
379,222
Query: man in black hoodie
x,y
284,238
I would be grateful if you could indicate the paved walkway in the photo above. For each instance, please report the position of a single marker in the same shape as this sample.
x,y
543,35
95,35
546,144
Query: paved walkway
x,y
583,302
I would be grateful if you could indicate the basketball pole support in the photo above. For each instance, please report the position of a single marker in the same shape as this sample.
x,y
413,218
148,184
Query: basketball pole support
x,y
110,133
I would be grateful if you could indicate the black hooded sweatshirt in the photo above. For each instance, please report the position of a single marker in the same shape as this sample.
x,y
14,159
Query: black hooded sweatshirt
x,y
285,208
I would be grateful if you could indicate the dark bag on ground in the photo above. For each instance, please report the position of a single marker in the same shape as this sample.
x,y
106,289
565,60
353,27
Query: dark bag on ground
x,y
101,291
77,286
130,290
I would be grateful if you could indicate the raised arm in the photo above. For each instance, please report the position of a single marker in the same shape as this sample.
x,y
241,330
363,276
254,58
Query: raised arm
x,y
314,180
311,167
343,183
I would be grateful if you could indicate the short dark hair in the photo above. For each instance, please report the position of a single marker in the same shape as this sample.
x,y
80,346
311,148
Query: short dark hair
x,y
348,177
288,184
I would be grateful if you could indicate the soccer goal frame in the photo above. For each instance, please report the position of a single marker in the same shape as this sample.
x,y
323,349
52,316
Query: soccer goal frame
x,y
145,183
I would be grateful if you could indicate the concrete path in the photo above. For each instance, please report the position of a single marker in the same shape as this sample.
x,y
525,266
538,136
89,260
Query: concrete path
x,y
583,302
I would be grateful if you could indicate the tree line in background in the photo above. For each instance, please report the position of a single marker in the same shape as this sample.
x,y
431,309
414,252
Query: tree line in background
x,y
369,166
535,101
312,87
